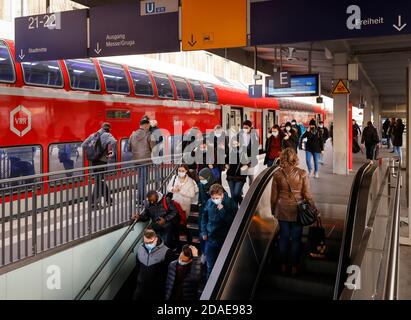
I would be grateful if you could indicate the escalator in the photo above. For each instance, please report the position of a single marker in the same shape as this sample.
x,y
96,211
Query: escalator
x,y
248,265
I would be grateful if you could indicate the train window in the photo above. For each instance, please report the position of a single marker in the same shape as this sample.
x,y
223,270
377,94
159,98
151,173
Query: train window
x,y
197,91
183,92
164,88
66,156
44,73
142,83
83,75
6,65
115,78
19,162
118,114
211,93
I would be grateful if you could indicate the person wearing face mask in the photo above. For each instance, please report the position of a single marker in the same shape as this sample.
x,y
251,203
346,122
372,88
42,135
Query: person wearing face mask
x,y
273,146
249,149
141,144
184,276
290,139
183,188
296,128
108,147
153,259
326,135
216,222
236,175
313,148
163,214
218,141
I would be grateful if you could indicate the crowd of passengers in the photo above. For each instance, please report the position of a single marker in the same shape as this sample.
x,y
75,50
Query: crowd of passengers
x,y
165,268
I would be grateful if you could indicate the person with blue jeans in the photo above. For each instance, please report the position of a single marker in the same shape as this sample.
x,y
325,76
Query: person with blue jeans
x,y
314,146
398,134
290,185
216,222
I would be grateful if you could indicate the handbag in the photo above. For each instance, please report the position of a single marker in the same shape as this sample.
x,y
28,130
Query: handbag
x,y
306,214
316,241
170,195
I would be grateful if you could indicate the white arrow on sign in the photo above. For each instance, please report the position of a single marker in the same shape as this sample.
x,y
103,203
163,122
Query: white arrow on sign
x,y
98,50
400,26
21,55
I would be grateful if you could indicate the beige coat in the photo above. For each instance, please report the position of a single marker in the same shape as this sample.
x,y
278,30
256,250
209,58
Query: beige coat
x,y
187,193
141,144
283,204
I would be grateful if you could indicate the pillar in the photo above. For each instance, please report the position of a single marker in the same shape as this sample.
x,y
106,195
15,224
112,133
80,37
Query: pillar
x,y
341,119
407,159
368,109
377,114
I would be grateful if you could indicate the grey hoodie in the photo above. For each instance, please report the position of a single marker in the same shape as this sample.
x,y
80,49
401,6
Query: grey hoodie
x,y
141,144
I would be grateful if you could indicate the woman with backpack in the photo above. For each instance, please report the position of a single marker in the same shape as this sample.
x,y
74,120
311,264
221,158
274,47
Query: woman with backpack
x,y
183,188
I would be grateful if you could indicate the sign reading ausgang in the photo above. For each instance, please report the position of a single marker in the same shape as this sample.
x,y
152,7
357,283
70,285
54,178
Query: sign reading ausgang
x,y
52,36
134,28
277,22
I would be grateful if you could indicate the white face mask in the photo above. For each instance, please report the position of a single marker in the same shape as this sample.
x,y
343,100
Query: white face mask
x,y
321,126
218,134
275,134
203,182
182,174
288,128
294,124
218,201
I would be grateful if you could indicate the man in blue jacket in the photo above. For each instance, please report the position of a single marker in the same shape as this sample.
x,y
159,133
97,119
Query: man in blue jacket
x,y
218,215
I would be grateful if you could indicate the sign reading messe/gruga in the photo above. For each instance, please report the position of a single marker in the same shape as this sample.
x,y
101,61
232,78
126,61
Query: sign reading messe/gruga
x,y
278,22
53,36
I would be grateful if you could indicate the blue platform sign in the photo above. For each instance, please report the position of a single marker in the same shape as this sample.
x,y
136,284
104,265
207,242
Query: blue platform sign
x,y
134,28
301,86
255,91
54,36
279,22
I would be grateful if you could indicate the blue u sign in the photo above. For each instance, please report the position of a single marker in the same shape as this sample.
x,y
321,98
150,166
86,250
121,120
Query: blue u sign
x,y
150,7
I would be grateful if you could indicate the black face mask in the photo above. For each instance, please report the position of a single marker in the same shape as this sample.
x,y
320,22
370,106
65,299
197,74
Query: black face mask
x,y
107,130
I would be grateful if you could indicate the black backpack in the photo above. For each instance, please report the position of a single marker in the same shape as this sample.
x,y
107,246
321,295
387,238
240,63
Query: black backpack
x,y
94,149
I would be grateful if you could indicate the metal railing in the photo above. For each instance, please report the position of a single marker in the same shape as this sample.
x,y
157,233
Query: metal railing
x,y
112,252
44,213
374,256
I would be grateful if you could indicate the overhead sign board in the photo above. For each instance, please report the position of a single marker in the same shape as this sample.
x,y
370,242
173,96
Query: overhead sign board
x,y
282,80
213,24
54,36
341,88
255,91
278,22
134,28
301,86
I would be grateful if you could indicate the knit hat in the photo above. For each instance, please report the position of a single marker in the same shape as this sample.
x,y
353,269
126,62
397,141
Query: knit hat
x,y
207,175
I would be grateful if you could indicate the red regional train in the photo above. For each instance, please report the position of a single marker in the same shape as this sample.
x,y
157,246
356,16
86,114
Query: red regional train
x,y
48,108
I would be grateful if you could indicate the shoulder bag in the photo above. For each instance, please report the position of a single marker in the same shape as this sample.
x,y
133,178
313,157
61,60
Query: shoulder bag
x,y
306,214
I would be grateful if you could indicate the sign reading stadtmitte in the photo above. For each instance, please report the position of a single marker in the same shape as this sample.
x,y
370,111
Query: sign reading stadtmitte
x,y
134,28
213,24
53,36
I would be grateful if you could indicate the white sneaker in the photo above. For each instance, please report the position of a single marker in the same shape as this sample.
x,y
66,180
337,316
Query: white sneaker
x,y
311,174
317,176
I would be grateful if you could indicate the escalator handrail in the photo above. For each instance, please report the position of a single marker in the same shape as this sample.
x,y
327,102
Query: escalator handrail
x,y
346,244
112,252
235,236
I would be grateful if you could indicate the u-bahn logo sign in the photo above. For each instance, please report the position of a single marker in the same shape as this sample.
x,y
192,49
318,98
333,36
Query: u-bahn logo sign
x,y
20,121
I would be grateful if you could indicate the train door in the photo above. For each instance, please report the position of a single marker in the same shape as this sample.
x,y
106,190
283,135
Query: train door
x,y
235,120
226,116
269,119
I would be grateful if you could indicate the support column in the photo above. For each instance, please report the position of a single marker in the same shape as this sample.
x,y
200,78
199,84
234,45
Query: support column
x,y
377,115
341,118
407,158
368,110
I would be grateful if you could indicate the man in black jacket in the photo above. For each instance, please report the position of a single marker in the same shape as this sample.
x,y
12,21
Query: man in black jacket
x,y
153,258
370,138
184,276
163,215
313,148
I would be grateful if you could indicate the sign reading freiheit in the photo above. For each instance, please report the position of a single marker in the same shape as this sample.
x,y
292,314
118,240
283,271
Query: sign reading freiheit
x,y
277,22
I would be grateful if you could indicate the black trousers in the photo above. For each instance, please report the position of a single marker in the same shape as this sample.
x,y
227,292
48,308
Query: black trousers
x,y
370,147
100,185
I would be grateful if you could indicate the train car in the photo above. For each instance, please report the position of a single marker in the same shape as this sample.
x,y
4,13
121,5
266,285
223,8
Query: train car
x,y
48,108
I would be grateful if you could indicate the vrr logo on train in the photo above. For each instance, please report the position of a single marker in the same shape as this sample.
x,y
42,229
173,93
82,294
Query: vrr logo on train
x,y
20,121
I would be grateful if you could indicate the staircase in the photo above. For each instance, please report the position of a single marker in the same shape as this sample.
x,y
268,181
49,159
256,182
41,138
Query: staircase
x,y
317,276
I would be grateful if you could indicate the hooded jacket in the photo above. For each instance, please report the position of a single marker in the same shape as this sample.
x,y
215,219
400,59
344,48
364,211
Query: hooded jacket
x,y
151,269
216,223
157,210
141,144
